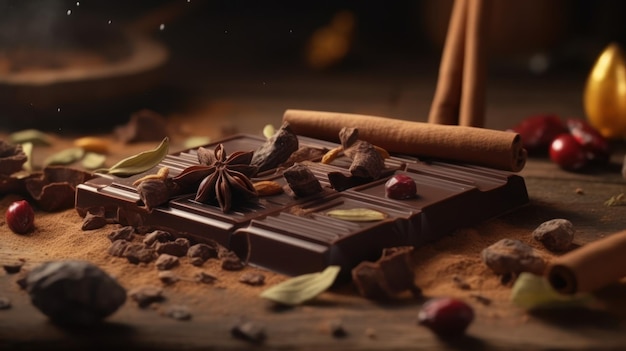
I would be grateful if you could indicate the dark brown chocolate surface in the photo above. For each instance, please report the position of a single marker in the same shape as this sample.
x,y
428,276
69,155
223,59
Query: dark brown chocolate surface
x,y
295,235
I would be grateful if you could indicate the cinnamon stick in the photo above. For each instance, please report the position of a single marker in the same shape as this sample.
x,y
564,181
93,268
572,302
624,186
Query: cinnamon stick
x,y
486,147
445,106
473,91
590,267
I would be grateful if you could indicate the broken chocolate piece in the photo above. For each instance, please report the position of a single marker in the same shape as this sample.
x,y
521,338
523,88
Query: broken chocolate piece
x,y
13,268
205,278
12,158
367,162
144,296
5,303
276,149
168,277
137,253
231,262
157,236
123,233
93,221
118,247
74,292
55,188
155,192
176,248
304,153
302,181
165,262
199,253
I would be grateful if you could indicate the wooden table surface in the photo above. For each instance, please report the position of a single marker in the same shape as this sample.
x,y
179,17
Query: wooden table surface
x,y
554,194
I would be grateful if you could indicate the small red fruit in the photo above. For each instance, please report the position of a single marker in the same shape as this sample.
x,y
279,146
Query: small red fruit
x,y
537,132
598,148
446,316
400,187
568,153
20,217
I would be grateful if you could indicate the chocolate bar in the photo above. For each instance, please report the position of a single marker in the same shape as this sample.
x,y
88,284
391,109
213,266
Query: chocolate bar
x,y
293,235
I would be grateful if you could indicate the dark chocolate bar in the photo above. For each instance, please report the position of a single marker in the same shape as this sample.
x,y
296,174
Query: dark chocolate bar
x,y
297,235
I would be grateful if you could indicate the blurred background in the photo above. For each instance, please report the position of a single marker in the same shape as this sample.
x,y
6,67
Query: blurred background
x,y
233,65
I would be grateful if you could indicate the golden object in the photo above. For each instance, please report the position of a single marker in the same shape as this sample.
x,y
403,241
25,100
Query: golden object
x,y
331,155
93,144
161,174
267,188
605,93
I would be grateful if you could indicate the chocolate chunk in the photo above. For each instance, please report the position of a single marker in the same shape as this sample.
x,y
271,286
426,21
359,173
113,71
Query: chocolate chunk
x,y
74,292
556,234
137,253
165,262
231,262
144,296
205,278
176,248
366,161
304,153
336,329
512,256
123,233
168,277
5,303
248,331
155,192
157,236
55,188
252,278
118,247
302,181
12,158
276,150
93,221
144,125
178,312
12,268
199,253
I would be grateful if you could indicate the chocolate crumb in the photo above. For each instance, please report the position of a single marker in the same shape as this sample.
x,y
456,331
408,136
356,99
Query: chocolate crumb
x,y
231,262
199,253
5,303
145,296
276,149
123,233
93,221
178,312
252,278
13,268
481,298
205,278
460,283
248,331
177,247
157,236
336,329
137,253
370,333
118,247
168,277
165,262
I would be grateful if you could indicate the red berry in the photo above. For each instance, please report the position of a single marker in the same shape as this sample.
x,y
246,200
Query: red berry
x,y
537,132
400,187
598,148
568,153
20,217
446,316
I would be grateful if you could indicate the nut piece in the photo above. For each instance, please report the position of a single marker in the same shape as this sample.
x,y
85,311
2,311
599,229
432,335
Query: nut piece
x,y
510,256
267,188
556,234
93,144
331,155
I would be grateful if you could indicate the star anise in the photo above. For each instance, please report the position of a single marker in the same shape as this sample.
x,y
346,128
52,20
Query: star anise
x,y
221,178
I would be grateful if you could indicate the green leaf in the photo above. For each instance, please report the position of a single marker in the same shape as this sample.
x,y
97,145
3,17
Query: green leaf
x,y
269,131
357,215
532,291
93,160
64,157
30,136
302,288
139,163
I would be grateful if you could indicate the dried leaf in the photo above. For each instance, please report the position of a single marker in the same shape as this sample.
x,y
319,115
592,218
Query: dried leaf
x,y
357,215
532,291
269,131
65,157
141,162
617,200
93,160
30,136
302,288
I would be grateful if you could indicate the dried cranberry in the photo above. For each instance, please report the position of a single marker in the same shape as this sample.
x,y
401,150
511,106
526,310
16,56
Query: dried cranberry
x,y
597,147
20,217
400,187
537,132
568,153
446,316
